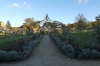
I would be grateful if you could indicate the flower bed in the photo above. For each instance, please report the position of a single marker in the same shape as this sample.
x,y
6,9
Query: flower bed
x,y
15,56
72,52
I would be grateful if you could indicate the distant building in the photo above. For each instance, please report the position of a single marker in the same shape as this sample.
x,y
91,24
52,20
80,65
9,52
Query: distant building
x,y
1,24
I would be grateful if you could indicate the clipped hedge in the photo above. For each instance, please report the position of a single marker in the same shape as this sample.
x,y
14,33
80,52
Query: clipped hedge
x,y
60,44
87,53
73,53
15,56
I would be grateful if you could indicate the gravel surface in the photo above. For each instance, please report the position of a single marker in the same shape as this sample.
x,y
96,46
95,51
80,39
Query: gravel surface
x,y
48,54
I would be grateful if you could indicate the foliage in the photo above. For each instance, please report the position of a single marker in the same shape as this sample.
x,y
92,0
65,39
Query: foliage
x,y
70,26
29,25
57,39
7,39
85,44
84,39
81,21
60,44
97,18
12,56
26,52
8,25
42,32
52,25
97,30
63,26
66,48
87,53
3,55
15,56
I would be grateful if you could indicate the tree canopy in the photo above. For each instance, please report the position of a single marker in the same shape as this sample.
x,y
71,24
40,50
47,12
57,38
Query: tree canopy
x,y
30,23
81,21
8,25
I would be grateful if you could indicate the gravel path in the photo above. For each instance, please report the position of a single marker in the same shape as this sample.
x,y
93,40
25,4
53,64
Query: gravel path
x,y
48,54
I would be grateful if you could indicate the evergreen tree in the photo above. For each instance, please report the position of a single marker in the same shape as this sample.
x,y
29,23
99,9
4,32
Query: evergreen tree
x,y
8,25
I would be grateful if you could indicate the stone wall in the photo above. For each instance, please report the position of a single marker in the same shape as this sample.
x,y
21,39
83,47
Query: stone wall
x,y
47,29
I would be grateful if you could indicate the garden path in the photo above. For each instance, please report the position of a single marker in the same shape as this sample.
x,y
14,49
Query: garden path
x,y
48,54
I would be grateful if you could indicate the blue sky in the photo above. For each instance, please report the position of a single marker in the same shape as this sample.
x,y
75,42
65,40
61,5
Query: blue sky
x,y
64,11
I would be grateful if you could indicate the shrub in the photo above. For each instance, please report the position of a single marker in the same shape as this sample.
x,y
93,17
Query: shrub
x,y
63,48
55,37
31,44
68,50
98,55
83,54
87,53
97,28
3,55
57,40
35,42
12,56
28,48
94,53
26,52
60,44
76,53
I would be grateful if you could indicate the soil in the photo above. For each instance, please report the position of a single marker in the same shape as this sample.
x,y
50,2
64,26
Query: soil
x,y
46,53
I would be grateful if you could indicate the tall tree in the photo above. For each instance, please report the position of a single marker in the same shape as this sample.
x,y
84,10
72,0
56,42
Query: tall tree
x,y
81,21
97,27
8,25
97,18
30,23
69,26
63,26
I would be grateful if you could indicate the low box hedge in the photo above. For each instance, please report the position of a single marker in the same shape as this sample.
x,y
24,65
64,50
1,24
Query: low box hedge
x,y
73,53
15,56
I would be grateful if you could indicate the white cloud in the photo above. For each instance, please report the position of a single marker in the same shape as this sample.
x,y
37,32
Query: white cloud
x,y
86,1
13,5
79,1
28,6
23,5
83,1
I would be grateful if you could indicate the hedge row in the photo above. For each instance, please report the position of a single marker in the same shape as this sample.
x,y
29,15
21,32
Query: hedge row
x,y
15,56
66,48
73,53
